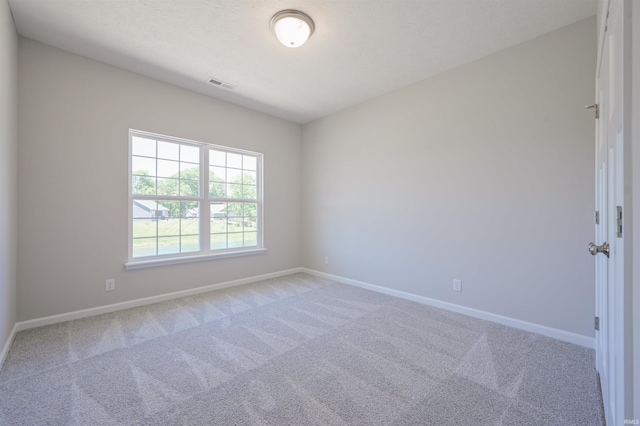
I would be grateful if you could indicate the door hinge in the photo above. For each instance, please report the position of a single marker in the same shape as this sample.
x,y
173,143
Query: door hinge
x,y
596,108
596,323
619,221
597,217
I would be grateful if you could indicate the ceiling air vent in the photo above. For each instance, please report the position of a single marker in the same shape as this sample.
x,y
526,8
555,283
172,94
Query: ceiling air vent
x,y
221,84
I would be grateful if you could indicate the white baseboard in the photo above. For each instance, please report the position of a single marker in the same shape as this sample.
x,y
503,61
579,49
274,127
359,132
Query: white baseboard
x,y
54,319
578,339
555,333
7,345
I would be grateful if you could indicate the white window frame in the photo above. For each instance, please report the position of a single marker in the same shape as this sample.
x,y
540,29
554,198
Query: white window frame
x,y
205,252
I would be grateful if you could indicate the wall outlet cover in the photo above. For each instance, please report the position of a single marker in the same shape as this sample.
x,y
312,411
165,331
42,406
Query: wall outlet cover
x,y
110,285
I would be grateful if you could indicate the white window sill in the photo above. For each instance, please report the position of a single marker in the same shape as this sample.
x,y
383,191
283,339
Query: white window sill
x,y
148,263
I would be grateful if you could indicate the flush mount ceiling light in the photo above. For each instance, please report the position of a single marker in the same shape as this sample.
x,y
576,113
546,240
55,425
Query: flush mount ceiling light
x,y
292,27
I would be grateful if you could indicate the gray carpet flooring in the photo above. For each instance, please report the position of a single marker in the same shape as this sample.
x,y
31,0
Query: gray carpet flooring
x,y
296,350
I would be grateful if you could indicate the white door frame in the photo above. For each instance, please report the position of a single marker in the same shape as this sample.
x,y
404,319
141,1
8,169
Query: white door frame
x,y
614,341
634,227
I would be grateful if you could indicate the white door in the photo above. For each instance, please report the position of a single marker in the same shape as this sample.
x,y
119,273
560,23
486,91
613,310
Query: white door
x,y
609,244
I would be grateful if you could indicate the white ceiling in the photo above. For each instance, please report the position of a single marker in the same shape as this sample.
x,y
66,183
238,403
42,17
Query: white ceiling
x,y
360,49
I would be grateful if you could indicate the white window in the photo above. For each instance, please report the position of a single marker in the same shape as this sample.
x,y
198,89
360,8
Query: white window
x,y
190,200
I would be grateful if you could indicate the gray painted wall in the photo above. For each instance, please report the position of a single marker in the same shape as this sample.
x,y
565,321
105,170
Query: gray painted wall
x,y
73,120
483,173
8,171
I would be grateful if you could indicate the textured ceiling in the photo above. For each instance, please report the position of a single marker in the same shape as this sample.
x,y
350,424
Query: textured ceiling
x,y
360,49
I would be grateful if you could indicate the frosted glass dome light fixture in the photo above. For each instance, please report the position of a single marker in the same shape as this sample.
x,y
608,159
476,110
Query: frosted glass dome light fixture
x,y
292,27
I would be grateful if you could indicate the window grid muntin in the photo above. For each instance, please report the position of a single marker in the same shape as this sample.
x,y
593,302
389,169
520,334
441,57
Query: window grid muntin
x,y
251,237
238,173
236,224
176,182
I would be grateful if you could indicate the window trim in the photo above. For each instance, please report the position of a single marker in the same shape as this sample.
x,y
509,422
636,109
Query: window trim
x,y
205,252
187,258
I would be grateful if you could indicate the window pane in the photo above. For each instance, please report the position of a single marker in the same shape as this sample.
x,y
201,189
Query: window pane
x,y
249,162
144,228
249,191
234,190
217,174
234,224
144,247
234,176
149,209
250,210
189,226
190,243
168,245
250,239
173,206
189,209
250,224
234,160
190,180
168,168
234,210
218,210
217,190
143,166
189,171
217,158
218,225
143,146
190,153
189,188
218,241
235,240
167,186
143,185
168,150
249,178
168,227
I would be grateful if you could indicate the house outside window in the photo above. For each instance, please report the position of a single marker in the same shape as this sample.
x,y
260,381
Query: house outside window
x,y
190,200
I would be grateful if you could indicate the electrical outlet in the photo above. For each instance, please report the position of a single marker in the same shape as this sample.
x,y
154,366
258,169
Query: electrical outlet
x,y
110,285
326,260
457,285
